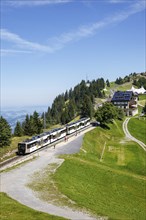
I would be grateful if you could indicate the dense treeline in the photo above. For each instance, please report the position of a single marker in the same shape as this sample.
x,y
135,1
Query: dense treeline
x,y
30,126
137,79
75,102
5,132
140,82
78,101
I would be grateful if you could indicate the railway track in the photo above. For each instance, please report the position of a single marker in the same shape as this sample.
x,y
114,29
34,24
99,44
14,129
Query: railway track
x,y
4,163
14,161
22,158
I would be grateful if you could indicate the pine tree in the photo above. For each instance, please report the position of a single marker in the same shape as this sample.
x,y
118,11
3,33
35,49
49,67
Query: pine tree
x,y
37,124
71,109
18,131
107,83
65,116
87,107
5,133
26,126
66,96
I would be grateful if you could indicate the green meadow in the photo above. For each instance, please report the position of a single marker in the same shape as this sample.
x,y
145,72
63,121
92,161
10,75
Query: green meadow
x,y
108,175
10,151
12,210
137,128
142,97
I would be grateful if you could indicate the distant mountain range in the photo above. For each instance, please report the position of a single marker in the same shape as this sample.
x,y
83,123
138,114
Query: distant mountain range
x,y
18,114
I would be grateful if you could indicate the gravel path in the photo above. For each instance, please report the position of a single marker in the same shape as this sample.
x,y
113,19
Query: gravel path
x,y
14,182
128,135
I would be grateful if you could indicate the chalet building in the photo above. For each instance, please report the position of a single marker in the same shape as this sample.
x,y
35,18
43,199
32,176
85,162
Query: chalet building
x,y
127,101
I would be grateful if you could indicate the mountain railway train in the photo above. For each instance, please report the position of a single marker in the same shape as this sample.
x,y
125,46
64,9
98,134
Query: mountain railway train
x,y
52,136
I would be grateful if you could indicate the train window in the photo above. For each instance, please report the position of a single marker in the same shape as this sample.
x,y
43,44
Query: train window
x,y
31,145
46,140
21,146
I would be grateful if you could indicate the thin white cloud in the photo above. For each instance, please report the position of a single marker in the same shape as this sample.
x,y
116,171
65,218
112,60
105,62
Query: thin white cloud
x,y
21,43
61,41
124,1
20,3
117,1
88,30
7,52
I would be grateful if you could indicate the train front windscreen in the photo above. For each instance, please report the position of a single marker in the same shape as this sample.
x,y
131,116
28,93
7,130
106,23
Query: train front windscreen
x,y
21,148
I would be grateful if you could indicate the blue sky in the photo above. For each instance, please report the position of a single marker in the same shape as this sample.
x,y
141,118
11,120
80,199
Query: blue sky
x,y
49,46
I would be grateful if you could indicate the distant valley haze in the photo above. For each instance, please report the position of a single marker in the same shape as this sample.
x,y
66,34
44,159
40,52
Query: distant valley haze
x,y
12,115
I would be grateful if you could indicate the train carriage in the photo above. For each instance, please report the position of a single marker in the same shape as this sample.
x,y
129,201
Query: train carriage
x,y
34,143
47,138
78,125
57,134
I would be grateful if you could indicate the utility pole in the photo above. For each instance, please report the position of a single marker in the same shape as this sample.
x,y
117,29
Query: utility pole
x,y
86,78
87,83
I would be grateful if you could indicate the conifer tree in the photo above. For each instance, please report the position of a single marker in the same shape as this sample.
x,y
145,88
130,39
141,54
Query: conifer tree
x,y
18,131
37,124
65,116
26,125
87,107
71,109
5,132
107,83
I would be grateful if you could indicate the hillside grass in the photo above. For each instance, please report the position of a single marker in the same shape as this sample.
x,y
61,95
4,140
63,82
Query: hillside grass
x,y
10,151
107,177
101,190
142,100
116,87
137,128
12,210
142,97
114,185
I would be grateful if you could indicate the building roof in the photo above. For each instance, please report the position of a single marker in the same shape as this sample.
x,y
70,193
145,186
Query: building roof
x,y
122,96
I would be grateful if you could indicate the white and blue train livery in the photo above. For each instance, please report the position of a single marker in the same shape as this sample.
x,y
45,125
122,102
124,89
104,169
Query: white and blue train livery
x,y
52,136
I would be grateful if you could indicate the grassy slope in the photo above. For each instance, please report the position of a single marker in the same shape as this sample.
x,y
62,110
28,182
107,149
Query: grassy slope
x,y
142,99
122,87
13,147
116,87
137,128
113,187
12,210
